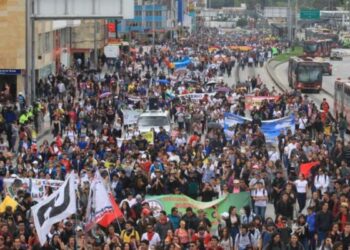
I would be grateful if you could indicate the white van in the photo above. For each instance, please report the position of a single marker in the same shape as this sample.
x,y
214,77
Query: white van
x,y
154,119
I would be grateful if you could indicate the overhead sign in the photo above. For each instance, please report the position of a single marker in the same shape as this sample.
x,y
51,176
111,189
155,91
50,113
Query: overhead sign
x,y
10,72
80,9
310,14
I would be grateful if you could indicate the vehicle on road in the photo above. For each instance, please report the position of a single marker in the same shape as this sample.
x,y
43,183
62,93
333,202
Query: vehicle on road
x,y
342,98
327,67
336,56
154,119
305,74
317,48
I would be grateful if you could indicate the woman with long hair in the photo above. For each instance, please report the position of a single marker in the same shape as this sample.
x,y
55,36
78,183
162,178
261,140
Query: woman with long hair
x,y
182,234
233,222
226,241
300,228
301,186
275,243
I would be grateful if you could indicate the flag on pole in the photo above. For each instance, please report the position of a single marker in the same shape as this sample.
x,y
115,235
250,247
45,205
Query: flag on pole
x,y
305,168
100,205
8,202
57,207
109,217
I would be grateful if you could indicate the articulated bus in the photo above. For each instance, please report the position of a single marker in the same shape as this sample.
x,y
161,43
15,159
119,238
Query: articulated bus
x,y
342,98
317,48
305,74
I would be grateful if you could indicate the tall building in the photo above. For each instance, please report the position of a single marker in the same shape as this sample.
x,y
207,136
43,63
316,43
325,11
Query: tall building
x,y
147,17
56,43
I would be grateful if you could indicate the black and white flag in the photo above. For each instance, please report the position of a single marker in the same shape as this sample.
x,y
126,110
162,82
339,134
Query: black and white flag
x,y
57,207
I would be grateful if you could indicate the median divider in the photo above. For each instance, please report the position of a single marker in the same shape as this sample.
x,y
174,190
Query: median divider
x,y
271,67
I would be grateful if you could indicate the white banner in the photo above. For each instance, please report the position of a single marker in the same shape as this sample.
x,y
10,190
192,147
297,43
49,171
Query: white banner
x,y
131,116
57,207
99,203
36,187
196,97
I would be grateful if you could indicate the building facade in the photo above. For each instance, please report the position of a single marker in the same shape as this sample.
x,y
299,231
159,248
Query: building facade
x,y
147,18
57,43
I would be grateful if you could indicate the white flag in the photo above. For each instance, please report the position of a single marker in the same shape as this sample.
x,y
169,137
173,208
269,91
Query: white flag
x,y
99,203
57,207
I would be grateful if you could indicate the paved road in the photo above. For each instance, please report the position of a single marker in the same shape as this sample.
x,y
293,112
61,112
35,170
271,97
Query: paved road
x,y
340,69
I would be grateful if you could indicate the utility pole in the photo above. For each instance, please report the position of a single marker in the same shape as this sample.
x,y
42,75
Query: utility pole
x,y
153,24
296,16
30,53
95,45
289,22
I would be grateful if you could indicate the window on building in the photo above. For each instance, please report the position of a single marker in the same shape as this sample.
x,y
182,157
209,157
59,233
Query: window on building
x,y
48,45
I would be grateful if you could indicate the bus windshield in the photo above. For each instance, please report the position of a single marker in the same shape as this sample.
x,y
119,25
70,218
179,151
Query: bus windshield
x,y
309,74
310,47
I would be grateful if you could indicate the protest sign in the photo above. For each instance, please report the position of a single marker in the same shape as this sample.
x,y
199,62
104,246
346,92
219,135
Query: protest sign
x,y
256,101
130,116
213,209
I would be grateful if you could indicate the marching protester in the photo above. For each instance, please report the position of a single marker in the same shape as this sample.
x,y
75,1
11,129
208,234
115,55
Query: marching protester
x,y
163,149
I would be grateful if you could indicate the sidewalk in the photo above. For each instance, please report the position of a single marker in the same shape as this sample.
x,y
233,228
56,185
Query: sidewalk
x,y
45,130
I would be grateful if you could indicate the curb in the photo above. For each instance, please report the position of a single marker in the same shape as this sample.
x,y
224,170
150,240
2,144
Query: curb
x,y
272,74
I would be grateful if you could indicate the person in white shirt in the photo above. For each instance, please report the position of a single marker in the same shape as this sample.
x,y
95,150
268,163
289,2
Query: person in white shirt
x,y
260,197
152,237
321,181
244,239
301,185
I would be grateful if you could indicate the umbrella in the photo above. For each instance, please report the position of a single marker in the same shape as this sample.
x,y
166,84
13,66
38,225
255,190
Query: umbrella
x,y
212,82
105,94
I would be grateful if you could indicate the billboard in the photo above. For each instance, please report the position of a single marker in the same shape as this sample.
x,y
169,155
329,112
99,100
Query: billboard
x,y
80,9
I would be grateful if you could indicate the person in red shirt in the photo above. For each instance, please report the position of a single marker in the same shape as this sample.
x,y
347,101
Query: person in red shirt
x,y
214,244
194,138
343,216
324,105
202,237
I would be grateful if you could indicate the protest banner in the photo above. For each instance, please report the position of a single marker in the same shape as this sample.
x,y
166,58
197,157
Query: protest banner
x,y
196,97
305,168
256,101
270,128
130,116
213,209
36,187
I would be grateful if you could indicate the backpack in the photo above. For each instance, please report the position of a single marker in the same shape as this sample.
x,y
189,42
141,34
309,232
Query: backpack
x,y
264,192
249,236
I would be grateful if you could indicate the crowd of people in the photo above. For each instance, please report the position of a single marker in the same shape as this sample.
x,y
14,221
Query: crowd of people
x,y
197,158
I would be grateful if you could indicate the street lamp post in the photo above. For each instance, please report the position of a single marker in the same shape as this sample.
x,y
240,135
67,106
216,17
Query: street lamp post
x,y
153,24
289,22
